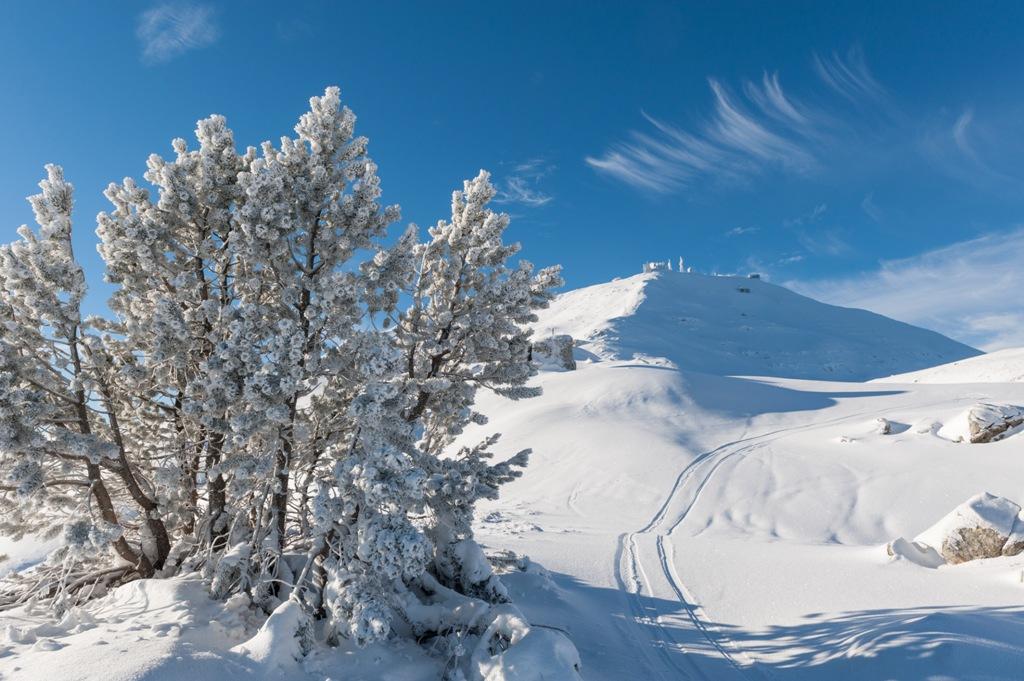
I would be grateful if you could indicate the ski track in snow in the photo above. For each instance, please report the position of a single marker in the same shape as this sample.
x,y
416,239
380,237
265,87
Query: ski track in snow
x,y
631,574
634,581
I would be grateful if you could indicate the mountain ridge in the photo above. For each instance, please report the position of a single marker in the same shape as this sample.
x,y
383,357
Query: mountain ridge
x,y
731,325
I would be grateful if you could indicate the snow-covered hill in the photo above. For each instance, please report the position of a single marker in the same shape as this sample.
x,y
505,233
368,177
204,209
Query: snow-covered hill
x,y
1001,366
710,526
740,326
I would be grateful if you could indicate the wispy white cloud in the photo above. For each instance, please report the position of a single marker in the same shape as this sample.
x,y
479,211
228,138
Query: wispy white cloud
x,y
756,128
740,231
955,149
769,268
814,237
960,133
808,218
772,101
871,208
169,30
969,290
824,242
743,136
516,190
849,76
522,185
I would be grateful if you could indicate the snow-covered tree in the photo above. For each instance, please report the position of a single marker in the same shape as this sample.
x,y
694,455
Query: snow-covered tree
x,y
276,397
466,329
63,451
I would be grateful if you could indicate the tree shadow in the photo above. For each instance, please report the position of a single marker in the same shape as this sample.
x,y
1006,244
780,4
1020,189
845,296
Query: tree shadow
x,y
745,396
625,638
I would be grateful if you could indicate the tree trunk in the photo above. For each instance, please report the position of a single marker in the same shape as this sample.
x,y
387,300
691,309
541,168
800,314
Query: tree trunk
x,y
97,488
217,494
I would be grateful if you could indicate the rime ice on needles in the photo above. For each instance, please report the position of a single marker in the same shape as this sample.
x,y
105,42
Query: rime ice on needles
x,y
259,408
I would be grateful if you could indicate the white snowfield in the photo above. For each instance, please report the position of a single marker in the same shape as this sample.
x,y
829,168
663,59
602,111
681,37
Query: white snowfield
x,y
695,522
701,525
1001,366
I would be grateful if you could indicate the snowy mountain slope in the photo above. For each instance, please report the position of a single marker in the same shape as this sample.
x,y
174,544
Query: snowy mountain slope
x,y
713,527
706,323
717,527
696,525
1001,366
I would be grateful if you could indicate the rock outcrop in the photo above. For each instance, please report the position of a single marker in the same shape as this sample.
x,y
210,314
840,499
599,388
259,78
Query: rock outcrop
x,y
1014,545
883,426
989,422
984,526
554,351
983,422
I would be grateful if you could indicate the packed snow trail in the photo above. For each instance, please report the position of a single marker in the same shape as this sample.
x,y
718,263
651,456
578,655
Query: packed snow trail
x,y
633,579
636,549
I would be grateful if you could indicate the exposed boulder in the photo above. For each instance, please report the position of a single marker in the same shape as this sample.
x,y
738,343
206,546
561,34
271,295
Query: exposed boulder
x,y
984,422
989,422
1015,543
554,351
978,528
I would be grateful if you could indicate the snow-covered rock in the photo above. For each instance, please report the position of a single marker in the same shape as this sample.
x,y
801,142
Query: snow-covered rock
x,y
915,552
982,423
978,528
280,641
1014,545
702,323
554,352
988,422
510,649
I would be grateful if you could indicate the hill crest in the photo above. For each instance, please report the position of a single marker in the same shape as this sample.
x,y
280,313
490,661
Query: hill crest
x,y
731,325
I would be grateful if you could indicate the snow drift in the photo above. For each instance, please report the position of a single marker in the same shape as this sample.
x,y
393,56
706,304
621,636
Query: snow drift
x,y
1001,366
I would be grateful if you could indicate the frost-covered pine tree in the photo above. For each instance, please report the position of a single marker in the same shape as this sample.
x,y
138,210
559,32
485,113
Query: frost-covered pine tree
x,y
308,209
174,267
467,328
64,453
275,398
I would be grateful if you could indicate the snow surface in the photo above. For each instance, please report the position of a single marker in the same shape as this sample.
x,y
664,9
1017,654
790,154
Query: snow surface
x,y
1001,366
704,525
170,630
696,521
21,555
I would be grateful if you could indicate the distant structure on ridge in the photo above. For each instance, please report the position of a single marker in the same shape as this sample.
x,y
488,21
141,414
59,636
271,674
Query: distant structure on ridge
x,y
659,266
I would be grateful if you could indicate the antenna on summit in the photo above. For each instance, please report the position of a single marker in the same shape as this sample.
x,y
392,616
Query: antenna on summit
x,y
658,265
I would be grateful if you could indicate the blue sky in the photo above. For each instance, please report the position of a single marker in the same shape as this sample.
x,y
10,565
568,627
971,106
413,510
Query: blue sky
x,y
865,153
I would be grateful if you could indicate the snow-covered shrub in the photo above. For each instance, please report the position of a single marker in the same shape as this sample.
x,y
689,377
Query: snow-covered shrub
x,y
68,445
274,399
